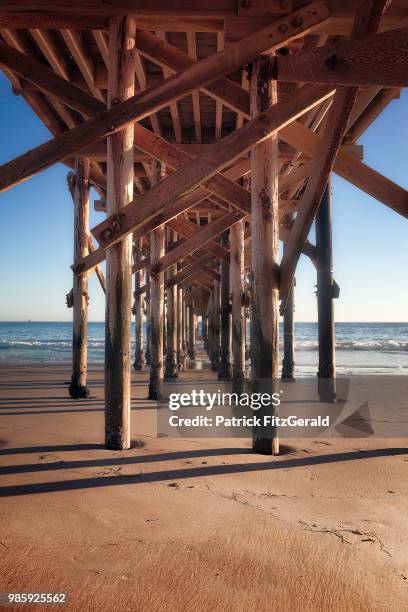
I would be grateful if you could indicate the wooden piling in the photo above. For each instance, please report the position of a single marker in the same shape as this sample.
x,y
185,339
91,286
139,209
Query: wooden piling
x,y
288,362
238,304
225,371
138,307
264,256
172,319
156,302
121,81
180,352
147,315
215,349
185,329
80,189
325,305
192,320
210,325
204,330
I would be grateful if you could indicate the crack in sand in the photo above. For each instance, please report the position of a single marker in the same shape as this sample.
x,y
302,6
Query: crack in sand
x,y
366,536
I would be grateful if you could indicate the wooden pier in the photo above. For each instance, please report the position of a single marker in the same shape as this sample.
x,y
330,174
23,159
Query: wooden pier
x,y
209,131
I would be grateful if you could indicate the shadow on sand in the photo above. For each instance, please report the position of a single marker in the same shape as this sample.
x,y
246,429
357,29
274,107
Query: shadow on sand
x,y
170,474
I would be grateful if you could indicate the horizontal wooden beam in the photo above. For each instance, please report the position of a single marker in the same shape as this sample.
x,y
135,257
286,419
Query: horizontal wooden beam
x,y
61,21
378,59
205,166
201,10
149,101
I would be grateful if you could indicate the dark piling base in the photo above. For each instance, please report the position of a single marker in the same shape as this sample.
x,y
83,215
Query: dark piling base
x,y
78,391
225,371
180,362
139,363
171,370
155,392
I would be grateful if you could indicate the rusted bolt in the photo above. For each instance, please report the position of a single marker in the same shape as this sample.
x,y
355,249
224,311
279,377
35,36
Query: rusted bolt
x,y
106,234
297,22
283,28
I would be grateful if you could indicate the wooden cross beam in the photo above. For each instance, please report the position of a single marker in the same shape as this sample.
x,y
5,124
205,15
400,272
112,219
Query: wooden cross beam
x,y
189,246
378,59
205,166
367,20
354,171
236,98
199,265
151,100
189,230
359,174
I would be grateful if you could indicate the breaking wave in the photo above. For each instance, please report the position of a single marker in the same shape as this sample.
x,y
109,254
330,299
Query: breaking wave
x,y
379,346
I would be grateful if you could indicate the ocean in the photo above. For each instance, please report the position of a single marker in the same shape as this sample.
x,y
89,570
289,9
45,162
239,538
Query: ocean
x,y
362,348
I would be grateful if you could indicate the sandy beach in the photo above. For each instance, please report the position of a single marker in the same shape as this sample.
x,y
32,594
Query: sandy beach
x,y
191,524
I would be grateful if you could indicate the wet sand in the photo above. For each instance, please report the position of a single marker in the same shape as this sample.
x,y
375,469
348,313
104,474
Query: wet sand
x,y
191,524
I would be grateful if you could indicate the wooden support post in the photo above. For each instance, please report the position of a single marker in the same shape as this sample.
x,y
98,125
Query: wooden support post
x,y
156,302
224,371
138,308
325,306
210,335
185,329
238,304
288,362
147,314
172,320
204,330
180,355
80,180
192,319
215,349
121,82
264,257
164,313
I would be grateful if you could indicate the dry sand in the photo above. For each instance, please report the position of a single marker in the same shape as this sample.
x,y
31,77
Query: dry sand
x,y
191,524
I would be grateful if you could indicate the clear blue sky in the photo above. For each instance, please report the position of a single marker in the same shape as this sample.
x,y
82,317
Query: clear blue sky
x,y
36,218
